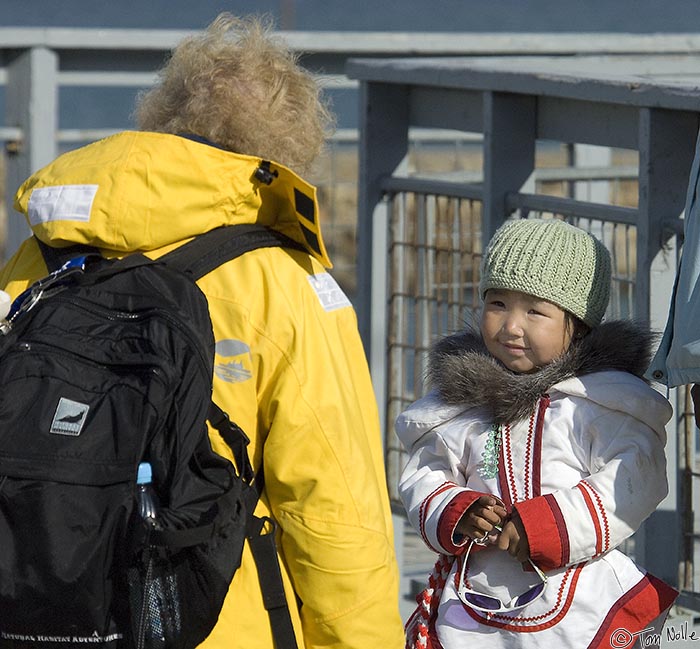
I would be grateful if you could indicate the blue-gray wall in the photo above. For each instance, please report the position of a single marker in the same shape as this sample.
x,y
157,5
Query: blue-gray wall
x,y
636,16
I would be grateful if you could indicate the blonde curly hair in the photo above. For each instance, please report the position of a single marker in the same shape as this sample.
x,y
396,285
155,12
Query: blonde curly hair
x,y
239,87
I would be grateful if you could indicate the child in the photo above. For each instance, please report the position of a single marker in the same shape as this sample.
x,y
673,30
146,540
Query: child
x,y
537,452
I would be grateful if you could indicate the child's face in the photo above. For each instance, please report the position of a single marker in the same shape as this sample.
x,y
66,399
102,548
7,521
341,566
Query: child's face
x,y
522,331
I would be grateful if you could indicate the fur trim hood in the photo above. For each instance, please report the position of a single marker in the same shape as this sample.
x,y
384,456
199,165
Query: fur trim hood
x,y
462,372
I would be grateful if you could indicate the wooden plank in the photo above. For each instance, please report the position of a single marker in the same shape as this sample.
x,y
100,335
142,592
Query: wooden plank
x,y
468,191
446,108
572,207
409,43
547,78
587,122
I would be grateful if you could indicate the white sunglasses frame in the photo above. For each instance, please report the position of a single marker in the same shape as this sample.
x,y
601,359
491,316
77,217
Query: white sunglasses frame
x,y
504,608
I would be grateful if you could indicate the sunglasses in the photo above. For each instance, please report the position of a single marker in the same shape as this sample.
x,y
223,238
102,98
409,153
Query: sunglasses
x,y
491,604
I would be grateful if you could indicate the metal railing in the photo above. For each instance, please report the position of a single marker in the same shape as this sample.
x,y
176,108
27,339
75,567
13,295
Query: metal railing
x,y
433,259
41,68
414,272
421,234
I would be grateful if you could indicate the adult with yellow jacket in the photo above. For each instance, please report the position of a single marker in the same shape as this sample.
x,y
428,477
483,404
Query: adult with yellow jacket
x,y
289,364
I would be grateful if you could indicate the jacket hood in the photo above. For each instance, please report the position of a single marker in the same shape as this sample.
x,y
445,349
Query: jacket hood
x,y
143,191
462,372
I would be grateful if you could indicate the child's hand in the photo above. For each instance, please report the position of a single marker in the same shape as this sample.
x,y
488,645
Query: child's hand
x,y
514,539
481,518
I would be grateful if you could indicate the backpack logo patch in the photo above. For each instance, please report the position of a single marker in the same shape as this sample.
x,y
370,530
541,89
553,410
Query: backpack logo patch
x,y
69,417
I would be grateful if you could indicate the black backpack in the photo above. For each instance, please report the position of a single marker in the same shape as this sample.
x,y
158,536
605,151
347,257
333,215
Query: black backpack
x,y
106,364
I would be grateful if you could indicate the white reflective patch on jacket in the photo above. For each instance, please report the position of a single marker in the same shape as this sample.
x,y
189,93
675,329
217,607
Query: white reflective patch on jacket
x,y
61,203
330,295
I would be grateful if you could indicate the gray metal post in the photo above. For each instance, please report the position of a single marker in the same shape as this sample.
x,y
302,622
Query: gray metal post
x,y
383,145
32,105
666,149
510,133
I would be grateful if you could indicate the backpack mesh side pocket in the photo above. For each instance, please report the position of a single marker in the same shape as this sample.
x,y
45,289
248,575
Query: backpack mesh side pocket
x,y
155,598
178,578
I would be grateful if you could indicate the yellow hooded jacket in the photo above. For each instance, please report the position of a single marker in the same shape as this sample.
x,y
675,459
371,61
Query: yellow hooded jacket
x,y
289,367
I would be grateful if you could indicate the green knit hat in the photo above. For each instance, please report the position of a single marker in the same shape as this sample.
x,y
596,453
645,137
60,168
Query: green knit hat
x,y
552,260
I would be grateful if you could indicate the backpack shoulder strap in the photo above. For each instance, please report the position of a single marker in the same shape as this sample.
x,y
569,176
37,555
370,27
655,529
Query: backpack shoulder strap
x,y
197,258
54,258
208,251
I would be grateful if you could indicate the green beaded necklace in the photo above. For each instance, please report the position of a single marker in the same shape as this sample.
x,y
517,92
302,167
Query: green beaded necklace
x,y
489,463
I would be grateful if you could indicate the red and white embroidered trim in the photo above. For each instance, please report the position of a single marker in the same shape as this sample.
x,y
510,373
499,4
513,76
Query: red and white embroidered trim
x,y
423,512
522,475
598,514
418,625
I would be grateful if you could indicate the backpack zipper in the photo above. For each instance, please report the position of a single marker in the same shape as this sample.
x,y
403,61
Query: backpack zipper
x,y
36,347
186,331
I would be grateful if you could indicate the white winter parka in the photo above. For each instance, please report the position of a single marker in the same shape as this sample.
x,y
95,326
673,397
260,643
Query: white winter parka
x,y
583,465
